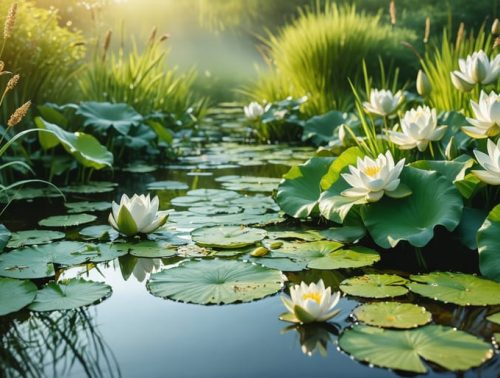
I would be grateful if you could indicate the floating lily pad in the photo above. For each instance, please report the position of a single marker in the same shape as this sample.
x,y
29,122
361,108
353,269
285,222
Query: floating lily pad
x,y
147,248
15,295
67,220
403,350
308,251
280,263
458,288
375,286
249,183
100,232
306,235
138,167
82,207
354,257
489,245
167,185
208,196
33,237
70,294
495,318
215,282
215,210
392,315
227,236
94,187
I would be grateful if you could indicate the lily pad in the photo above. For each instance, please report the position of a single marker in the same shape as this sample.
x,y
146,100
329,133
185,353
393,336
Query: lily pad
x,y
99,232
82,207
300,190
147,248
70,294
375,286
227,236
392,315
15,295
403,350
101,116
280,263
354,257
33,237
167,185
434,202
489,245
91,188
205,196
67,220
249,183
215,282
458,288
306,235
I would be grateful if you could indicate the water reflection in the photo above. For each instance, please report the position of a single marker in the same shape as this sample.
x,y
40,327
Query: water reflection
x,y
55,344
315,337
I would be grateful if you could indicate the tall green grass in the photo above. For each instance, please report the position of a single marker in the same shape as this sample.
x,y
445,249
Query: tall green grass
x,y
318,53
139,78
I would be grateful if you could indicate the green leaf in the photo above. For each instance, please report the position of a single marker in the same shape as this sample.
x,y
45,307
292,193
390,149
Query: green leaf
x,y
125,222
100,232
392,315
345,234
67,220
299,192
471,222
458,288
84,206
70,294
227,236
345,159
434,202
15,295
488,240
215,282
101,116
354,257
34,237
83,147
334,206
402,350
161,131
495,318
322,129
453,170
167,185
375,286
5,235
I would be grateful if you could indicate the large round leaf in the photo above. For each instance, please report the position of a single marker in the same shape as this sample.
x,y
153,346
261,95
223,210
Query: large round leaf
x,y
459,288
402,350
84,206
354,257
215,282
15,294
299,192
101,116
392,315
67,220
434,202
227,236
375,286
33,237
70,294
488,239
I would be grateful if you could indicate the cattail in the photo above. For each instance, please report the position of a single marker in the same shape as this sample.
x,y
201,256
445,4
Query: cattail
x,y
460,35
495,27
9,21
152,36
12,83
164,37
19,114
427,31
392,12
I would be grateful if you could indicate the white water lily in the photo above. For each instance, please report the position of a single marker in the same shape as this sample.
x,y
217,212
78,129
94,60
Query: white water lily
x,y
475,69
486,122
137,215
490,162
419,128
371,179
310,303
253,111
144,266
383,102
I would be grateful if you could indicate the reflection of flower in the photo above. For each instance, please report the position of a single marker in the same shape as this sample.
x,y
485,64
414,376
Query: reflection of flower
x,y
310,303
370,179
145,266
486,122
253,111
490,162
137,215
419,127
476,68
383,102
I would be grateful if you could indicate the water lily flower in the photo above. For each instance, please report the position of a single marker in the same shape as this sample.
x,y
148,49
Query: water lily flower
x,y
419,127
371,179
476,68
490,162
310,303
383,102
486,122
253,111
137,215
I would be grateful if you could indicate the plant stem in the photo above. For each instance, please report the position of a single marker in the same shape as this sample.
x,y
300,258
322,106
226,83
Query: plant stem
x,y
420,259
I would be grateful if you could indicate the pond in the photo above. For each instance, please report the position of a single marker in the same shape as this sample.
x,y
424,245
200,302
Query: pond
x,y
133,333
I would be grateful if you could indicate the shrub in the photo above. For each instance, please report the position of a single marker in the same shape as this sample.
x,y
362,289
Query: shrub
x,y
322,49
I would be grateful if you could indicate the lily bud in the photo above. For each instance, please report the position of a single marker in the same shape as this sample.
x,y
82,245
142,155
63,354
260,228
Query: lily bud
x,y
451,151
423,84
495,27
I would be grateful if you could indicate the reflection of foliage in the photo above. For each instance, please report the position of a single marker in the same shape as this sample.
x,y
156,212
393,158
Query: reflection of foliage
x,y
314,337
54,344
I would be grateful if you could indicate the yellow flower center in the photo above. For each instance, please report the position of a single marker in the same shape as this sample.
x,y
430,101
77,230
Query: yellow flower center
x,y
314,296
372,171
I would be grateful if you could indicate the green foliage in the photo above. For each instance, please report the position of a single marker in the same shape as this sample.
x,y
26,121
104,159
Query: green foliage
x,y
318,53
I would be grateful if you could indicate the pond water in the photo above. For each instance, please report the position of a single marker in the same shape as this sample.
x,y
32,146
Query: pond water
x,y
135,334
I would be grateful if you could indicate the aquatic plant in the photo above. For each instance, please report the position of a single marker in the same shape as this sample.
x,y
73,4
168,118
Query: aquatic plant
x,y
383,102
490,163
486,120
